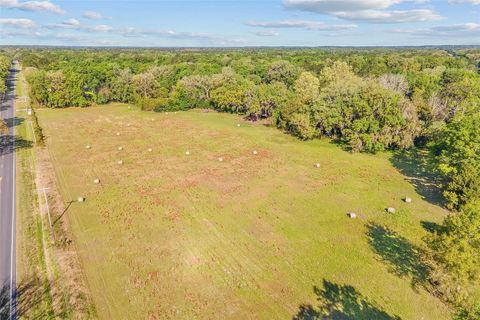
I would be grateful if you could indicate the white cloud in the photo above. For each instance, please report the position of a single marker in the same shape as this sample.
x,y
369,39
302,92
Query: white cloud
x,y
397,16
202,38
89,14
74,24
303,24
372,11
71,22
453,30
32,6
19,23
267,33
464,1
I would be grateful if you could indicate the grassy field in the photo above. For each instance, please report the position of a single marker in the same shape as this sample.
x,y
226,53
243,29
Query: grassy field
x,y
167,235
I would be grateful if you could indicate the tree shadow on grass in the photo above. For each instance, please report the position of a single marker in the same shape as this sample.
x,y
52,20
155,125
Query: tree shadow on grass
x,y
30,300
403,258
7,144
341,302
416,166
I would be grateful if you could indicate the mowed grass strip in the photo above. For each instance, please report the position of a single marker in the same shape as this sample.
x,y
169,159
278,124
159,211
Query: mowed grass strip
x,y
170,235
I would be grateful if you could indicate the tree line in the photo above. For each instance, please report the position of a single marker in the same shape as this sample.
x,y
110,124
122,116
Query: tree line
x,y
366,100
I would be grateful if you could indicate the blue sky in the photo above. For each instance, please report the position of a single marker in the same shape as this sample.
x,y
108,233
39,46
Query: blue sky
x,y
240,23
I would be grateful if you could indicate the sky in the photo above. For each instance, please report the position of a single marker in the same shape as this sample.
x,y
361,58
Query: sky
x,y
233,23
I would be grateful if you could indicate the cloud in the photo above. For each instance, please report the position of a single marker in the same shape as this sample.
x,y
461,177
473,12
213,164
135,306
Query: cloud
x,y
94,15
202,38
74,24
302,24
32,6
19,23
460,30
398,16
370,11
464,1
267,33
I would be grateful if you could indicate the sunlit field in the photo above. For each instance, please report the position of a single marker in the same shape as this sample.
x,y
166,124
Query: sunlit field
x,y
228,219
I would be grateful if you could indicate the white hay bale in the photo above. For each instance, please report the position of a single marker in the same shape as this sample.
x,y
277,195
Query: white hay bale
x,y
390,210
220,159
87,146
118,133
153,119
81,199
150,149
187,153
175,112
408,200
128,124
352,215
238,124
96,181
119,162
255,152
120,148
317,165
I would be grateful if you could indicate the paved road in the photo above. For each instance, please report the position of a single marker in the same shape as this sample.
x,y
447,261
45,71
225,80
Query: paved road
x,y
7,204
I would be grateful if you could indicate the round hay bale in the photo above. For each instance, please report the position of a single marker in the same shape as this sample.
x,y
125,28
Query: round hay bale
x,y
128,124
238,124
150,149
317,165
255,152
119,162
352,215
120,148
96,181
187,153
408,199
220,159
175,112
153,119
390,210
80,199
87,146
118,133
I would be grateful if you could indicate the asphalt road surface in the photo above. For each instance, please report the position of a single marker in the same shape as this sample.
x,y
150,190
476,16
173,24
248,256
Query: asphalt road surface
x,y
7,203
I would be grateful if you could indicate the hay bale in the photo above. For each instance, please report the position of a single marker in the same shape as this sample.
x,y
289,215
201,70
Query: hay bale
x,y
352,215
129,107
96,181
317,165
238,124
128,124
80,199
118,133
150,149
87,146
153,119
120,148
390,210
255,152
187,153
119,162
220,159
408,200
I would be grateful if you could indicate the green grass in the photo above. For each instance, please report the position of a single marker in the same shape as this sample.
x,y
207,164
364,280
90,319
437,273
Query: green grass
x,y
262,236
